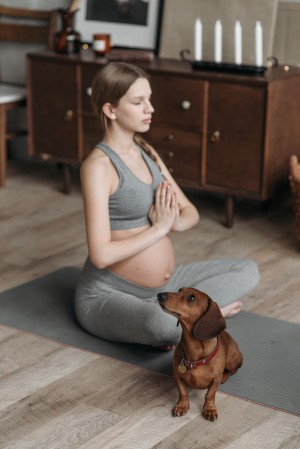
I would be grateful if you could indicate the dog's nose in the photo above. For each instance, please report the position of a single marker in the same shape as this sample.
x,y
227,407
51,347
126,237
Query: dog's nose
x,y
162,297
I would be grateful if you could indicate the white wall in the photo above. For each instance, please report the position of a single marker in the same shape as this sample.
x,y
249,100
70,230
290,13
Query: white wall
x,y
286,40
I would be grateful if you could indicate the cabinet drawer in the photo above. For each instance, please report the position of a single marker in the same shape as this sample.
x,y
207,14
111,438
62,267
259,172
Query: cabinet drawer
x,y
178,100
181,152
88,72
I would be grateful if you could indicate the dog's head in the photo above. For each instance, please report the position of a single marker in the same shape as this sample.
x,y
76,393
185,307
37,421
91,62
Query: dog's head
x,y
195,310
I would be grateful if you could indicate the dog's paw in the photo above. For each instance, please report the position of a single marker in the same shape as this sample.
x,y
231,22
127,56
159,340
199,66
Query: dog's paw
x,y
210,413
180,409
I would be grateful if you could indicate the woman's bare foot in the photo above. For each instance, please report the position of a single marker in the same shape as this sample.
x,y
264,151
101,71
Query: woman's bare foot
x,y
231,309
166,347
295,168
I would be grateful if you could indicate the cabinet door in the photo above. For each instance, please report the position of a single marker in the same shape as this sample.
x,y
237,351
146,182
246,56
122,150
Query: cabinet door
x,y
92,134
88,73
53,109
235,140
91,130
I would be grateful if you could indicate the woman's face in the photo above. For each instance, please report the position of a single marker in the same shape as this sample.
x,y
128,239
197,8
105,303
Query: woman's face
x,y
134,110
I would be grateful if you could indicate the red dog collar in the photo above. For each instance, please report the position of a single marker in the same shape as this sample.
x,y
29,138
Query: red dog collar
x,y
187,364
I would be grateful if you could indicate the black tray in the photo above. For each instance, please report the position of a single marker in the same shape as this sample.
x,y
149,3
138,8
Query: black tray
x,y
243,69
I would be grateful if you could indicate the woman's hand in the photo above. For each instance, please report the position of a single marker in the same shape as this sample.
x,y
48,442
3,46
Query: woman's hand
x,y
177,223
165,209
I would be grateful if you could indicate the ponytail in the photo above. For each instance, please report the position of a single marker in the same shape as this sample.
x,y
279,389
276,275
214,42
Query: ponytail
x,y
149,150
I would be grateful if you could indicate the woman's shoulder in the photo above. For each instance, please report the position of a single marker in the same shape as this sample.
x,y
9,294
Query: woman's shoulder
x,y
96,160
95,176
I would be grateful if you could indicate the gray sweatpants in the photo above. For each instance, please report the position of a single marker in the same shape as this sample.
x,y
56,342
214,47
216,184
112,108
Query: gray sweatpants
x,y
113,308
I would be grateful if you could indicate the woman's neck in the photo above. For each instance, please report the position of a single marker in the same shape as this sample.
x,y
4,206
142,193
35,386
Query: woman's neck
x,y
120,142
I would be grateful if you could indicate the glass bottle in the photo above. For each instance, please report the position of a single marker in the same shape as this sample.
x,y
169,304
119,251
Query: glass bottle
x,y
68,40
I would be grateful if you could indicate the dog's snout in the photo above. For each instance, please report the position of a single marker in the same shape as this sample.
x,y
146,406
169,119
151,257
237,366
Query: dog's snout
x,y
162,297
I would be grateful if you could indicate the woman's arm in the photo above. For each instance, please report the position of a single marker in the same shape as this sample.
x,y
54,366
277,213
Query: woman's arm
x,y
96,182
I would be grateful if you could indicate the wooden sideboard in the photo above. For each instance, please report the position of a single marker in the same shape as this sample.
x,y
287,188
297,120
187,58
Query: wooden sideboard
x,y
217,132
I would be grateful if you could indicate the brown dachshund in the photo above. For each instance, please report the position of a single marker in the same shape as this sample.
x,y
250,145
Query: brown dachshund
x,y
206,355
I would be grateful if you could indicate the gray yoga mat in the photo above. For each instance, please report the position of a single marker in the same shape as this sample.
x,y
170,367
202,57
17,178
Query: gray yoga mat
x,y
270,373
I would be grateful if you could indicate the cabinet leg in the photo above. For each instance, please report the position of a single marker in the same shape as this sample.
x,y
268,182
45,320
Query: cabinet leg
x,y
67,183
66,177
229,212
3,145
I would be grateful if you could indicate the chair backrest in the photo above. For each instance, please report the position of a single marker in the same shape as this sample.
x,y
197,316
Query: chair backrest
x,y
27,25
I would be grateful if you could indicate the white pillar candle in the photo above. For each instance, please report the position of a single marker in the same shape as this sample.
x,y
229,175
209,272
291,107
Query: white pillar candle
x,y
237,43
218,41
198,40
258,44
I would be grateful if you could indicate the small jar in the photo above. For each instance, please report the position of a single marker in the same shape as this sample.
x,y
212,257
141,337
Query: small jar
x,y
101,44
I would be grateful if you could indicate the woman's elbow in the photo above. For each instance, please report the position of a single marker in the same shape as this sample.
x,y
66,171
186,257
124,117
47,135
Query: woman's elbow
x,y
99,261
195,216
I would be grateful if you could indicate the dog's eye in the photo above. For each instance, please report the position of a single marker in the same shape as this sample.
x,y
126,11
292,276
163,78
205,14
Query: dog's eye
x,y
191,298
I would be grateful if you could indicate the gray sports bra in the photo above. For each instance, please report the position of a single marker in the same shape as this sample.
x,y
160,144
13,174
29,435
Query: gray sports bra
x,y
129,205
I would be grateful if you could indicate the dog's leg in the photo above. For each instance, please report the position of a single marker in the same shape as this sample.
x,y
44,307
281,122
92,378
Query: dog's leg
x,y
234,357
233,362
228,373
209,408
183,403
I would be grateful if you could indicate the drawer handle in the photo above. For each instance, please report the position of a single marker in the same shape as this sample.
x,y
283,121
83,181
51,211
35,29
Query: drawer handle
x,y
186,105
171,137
68,115
215,137
45,156
171,154
89,91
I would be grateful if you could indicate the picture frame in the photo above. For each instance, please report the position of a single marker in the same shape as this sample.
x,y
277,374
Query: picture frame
x,y
124,35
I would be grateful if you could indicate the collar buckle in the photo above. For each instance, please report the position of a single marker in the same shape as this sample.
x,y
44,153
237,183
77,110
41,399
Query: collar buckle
x,y
193,365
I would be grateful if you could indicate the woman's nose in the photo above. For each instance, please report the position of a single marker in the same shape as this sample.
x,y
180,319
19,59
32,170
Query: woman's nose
x,y
149,107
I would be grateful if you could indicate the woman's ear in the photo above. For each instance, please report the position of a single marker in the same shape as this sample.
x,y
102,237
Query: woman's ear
x,y
108,110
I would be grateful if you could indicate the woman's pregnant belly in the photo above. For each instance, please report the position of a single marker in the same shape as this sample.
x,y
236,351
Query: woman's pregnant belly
x,y
151,267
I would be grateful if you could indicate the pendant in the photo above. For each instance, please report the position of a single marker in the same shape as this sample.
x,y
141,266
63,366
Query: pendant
x,y
181,367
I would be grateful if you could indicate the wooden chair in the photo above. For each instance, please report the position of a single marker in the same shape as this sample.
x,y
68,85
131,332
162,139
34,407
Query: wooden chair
x,y
22,26
294,178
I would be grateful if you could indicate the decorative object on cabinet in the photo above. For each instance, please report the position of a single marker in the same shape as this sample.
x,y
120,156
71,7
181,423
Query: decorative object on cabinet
x,y
101,44
22,26
68,39
141,29
218,132
239,69
177,16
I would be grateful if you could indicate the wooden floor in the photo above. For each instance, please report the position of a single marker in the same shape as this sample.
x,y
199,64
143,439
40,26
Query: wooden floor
x,y
55,396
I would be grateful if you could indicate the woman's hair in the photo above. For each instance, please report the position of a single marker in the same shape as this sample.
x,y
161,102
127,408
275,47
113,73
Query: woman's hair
x,y
109,85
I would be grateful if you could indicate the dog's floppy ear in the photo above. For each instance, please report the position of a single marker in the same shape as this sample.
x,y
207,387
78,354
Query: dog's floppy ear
x,y
211,323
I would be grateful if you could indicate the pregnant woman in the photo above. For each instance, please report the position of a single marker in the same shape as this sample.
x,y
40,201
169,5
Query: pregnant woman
x,y
131,204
